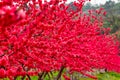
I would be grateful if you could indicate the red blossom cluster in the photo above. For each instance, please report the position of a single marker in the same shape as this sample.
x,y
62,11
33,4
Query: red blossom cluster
x,y
38,37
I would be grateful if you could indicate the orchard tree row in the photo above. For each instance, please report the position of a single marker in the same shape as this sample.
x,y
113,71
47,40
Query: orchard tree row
x,y
38,38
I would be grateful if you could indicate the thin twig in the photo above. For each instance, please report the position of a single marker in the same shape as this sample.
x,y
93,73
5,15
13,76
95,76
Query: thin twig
x,y
60,73
40,75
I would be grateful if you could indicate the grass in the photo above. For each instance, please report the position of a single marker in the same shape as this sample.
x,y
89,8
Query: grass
x,y
109,76
104,76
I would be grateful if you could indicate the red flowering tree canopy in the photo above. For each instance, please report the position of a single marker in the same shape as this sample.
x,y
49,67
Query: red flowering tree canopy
x,y
37,36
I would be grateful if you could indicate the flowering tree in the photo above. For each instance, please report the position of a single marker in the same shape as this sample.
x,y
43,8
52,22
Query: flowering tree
x,y
37,38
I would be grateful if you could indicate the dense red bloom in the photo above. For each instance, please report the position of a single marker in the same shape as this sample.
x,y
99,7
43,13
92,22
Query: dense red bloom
x,y
44,37
2,73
